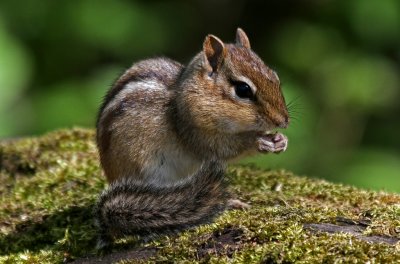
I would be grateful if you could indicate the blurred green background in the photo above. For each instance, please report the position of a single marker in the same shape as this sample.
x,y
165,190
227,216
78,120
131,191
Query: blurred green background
x,y
339,62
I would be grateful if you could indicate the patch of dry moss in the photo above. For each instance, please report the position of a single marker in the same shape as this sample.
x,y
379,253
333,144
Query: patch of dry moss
x,y
49,185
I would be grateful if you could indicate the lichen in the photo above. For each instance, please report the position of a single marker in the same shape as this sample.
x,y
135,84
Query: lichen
x,y
49,184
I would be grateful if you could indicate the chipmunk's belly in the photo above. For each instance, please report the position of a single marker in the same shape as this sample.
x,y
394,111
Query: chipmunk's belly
x,y
171,165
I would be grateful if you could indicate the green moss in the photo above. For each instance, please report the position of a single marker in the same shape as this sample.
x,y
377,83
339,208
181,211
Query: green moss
x,y
48,186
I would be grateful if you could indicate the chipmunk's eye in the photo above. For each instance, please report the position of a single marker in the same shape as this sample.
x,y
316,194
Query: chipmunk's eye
x,y
243,90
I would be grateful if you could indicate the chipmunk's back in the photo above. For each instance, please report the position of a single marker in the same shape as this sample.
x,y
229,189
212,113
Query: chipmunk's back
x,y
164,71
134,113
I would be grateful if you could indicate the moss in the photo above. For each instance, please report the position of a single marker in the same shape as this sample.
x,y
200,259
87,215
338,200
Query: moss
x,y
48,186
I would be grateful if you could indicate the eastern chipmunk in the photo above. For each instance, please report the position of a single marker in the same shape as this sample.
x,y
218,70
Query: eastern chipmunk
x,y
165,131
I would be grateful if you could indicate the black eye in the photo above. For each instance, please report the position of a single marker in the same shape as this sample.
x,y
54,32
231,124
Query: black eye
x,y
243,90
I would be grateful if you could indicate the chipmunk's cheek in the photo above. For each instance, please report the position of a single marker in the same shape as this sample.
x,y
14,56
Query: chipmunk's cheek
x,y
274,143
236,123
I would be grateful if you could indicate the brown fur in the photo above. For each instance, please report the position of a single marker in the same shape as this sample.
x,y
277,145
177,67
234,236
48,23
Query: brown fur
x,y
130,207
161,121
194,107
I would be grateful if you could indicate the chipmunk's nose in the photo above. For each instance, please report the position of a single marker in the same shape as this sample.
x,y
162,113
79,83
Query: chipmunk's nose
x,y
280,121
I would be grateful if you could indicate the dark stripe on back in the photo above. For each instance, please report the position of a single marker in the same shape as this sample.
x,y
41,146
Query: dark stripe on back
x,y
152,69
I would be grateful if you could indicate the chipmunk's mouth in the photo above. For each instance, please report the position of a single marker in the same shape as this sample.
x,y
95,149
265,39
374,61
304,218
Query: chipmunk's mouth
x,y
267,133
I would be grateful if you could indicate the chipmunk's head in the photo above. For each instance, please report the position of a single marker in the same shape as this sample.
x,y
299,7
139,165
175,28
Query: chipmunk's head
x,y
242,93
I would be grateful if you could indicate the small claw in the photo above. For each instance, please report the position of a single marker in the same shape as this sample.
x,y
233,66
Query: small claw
x,y
274,143
237,204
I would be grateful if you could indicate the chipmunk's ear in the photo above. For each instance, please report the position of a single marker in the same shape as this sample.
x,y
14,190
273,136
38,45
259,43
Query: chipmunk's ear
x,y
214,52
242,39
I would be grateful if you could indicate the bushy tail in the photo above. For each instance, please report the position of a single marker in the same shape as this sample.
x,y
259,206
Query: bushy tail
x,y
130,208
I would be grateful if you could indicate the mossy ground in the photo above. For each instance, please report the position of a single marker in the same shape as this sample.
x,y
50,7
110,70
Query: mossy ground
x,y
49,184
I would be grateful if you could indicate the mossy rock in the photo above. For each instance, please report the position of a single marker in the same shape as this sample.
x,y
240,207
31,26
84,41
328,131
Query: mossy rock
x,y
49,185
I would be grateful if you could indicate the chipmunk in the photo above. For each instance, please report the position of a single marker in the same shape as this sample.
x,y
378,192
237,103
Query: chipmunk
x,y
165,132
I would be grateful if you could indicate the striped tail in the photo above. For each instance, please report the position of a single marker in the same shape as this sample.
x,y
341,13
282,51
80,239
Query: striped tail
x,y
147,210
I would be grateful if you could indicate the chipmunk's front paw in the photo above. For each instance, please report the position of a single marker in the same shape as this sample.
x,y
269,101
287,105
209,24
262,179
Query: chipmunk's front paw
x,y
274,143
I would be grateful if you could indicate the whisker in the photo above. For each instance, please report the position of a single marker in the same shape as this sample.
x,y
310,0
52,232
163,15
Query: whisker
x,y
293,100
296,112
295,109
294,122
296,106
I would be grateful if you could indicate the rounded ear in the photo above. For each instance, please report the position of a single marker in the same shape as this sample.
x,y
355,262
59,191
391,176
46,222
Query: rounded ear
x,y
242,39
214,51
